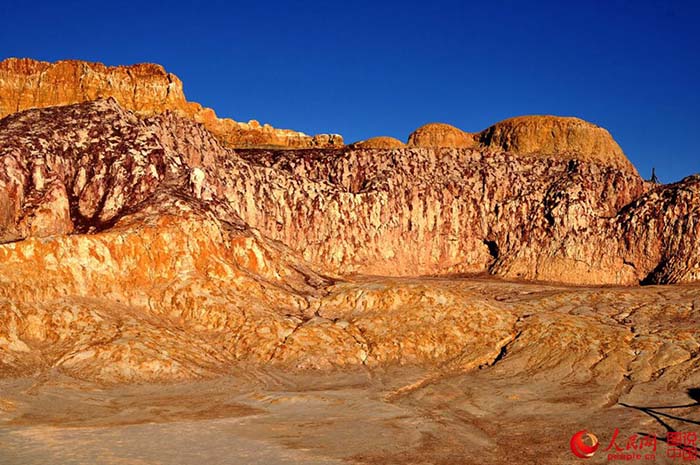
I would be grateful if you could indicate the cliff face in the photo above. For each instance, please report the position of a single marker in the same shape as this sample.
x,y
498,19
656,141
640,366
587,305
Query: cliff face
x,y
428,211
146,89
393,212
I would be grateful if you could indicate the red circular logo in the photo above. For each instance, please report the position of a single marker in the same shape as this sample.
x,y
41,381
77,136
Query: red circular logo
x,y
579,446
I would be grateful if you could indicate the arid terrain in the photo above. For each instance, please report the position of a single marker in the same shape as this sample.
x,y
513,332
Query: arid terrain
x,y
572,357
179,288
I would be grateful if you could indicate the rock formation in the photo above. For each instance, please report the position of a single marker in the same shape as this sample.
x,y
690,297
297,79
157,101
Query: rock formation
x,y
146,89
141,247
410,211
555,135
535,135
381,142
441,135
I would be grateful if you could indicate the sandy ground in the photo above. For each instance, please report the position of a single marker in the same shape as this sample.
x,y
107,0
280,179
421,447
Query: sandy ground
x,y
259,417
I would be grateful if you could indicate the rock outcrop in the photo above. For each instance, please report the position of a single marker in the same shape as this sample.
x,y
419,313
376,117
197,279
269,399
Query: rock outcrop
x,y
441,135
535,135
142,248
146,89
556,136
409,211
380,142
342,289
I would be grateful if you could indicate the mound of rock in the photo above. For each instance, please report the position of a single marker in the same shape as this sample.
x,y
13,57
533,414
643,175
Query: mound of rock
x,y
555,136
441,135
381,142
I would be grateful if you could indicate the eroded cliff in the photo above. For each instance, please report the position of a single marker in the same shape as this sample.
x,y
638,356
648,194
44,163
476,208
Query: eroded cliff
x,y
404,211
146,89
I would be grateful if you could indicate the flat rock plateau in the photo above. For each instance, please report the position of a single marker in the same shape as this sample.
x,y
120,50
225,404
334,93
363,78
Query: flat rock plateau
x,y
177,288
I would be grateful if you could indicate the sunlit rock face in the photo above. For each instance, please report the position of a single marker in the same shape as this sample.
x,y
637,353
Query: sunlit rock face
x,y
380,142
142,248
534,135
549,136
441,135
406,211
145,88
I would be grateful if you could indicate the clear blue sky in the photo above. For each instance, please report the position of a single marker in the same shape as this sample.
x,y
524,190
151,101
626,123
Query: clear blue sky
x,y
384,68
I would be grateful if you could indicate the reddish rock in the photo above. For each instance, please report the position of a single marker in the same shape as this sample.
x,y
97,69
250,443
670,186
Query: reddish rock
x,y
412,211
142,249
146,89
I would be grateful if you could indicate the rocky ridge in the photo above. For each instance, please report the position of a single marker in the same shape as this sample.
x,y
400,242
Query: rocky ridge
x,y
409,211
146,89
142,248
533,135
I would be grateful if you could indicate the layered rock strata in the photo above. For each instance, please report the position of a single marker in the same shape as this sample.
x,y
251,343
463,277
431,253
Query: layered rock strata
x,y
146,89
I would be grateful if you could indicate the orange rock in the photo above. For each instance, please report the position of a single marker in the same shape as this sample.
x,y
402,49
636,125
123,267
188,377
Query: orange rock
x,y
140,249
144,88
441,135
380,142
556,136
409,211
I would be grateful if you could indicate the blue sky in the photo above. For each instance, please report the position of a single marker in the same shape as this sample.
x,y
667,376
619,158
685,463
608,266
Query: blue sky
x,y
384,68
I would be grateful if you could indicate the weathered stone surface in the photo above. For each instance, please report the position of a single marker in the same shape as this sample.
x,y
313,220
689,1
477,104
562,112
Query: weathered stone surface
x,y
409,211
537,136
381,142
571,358
141,248
556,136
441,135
146,89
